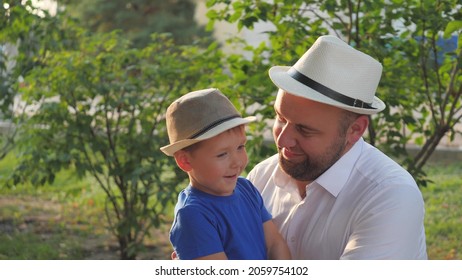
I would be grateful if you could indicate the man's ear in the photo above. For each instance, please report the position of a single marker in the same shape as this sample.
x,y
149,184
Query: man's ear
x,y
182,159
357,128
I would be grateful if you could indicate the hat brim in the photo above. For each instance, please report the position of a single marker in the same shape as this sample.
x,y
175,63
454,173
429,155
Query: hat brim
x,y
279,76
174,147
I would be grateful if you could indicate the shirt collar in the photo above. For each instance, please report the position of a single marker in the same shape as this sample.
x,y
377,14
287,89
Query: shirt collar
x,y
335,178
281,179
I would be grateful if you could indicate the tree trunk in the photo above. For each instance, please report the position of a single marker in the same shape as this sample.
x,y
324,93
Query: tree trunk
x,y
428,148
123,246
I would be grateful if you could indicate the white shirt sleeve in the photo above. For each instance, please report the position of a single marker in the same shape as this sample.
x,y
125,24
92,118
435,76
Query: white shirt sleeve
x,y
389,227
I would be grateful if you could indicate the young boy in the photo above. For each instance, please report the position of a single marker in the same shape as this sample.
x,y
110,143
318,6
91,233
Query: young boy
x,y
219,215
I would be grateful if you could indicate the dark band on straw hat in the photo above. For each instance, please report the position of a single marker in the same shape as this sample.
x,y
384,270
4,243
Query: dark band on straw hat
x,y
212,125
337,96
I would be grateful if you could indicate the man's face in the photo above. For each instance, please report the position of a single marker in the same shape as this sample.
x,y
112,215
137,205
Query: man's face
x,y
309,135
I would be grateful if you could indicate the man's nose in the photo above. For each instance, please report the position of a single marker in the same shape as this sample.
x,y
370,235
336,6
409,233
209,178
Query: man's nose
x,y
284,137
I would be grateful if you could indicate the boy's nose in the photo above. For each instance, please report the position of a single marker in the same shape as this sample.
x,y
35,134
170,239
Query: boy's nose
x,y
236,161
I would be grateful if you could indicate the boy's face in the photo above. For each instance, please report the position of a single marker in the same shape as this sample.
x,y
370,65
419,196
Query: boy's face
x,y
217,162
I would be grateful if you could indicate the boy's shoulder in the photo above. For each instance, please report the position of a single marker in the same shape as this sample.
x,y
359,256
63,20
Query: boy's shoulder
x,y
242,181
246,186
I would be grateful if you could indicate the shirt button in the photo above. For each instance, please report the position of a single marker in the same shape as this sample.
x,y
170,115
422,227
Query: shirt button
x,y
292,239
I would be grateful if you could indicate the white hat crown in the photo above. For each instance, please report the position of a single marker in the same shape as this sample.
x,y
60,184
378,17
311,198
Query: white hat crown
x,y
334,73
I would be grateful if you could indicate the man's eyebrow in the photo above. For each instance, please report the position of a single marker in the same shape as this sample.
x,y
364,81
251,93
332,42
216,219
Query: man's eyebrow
x,y
300,126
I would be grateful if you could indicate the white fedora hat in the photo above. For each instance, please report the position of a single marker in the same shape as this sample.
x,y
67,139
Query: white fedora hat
x,y
199,115
334,73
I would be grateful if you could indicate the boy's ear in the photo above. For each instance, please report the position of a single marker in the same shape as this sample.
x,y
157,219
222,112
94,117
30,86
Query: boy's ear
x,y
182,160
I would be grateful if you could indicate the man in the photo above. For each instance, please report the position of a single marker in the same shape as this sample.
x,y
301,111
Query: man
x,y
332,195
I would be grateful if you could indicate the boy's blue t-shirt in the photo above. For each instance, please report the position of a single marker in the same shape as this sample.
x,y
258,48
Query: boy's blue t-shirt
x,y
206,224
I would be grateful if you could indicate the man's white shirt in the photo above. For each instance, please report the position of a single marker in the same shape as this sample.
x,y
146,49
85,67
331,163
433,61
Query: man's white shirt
x,y
365,206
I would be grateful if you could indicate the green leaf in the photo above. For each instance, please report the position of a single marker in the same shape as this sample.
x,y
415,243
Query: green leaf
x,y
452,27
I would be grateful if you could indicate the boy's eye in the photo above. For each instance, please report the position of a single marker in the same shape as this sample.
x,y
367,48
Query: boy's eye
x,y
222,155
241,147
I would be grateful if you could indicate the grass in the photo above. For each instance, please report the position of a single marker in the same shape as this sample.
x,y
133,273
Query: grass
x,y
52,222
443,220
30,246
43,228
66,220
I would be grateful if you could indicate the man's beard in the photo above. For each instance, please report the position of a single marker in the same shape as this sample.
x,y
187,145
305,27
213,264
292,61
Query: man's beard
x,y
312,168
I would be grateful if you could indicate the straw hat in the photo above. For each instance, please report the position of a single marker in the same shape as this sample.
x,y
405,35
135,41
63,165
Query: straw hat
x,y
334,73
200,115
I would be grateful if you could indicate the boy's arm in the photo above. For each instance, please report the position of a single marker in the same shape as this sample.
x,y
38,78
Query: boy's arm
x,y
194,236
275,244
217,256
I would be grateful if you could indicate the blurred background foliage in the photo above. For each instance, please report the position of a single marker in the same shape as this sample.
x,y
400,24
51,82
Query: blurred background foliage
x,y
417,42
138,19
